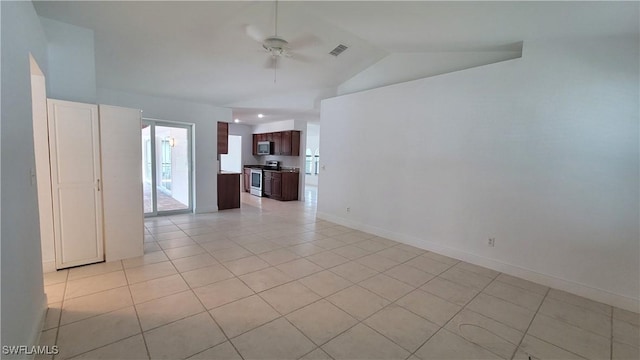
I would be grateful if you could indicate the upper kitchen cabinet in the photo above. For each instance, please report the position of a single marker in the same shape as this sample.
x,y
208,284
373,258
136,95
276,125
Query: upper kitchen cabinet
x,y
286,143
223,137
291,143
276,144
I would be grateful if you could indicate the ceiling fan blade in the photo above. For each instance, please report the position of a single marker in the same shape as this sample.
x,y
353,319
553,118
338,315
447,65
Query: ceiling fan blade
x,y
305,41
254,33
300,57
271,62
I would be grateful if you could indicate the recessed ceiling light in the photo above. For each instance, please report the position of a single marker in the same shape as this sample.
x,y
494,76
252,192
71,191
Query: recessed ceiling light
x,y
236,120
260,116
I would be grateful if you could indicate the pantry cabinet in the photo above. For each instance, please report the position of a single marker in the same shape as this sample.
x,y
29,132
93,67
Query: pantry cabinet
x,y
95,162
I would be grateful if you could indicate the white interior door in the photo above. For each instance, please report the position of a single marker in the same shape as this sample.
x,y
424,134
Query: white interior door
x,y
122,182
74,141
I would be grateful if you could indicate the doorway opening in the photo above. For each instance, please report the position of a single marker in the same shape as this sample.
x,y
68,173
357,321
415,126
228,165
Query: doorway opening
x,y
312,163
232,160
166,167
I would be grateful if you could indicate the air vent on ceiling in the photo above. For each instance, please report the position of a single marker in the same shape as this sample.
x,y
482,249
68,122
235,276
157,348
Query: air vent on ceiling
x,y
338,50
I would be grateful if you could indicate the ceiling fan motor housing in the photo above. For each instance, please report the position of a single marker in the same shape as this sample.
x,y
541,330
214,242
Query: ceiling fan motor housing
x,y
275,46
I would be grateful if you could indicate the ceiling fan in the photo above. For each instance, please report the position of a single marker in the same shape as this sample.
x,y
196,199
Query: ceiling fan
x,y
277,47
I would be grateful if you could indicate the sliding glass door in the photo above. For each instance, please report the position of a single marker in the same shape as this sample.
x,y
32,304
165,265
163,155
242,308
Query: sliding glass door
x,y
166,168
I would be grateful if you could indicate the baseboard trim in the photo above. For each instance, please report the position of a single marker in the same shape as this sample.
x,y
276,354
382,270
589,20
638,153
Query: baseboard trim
x,y
204,210
600,295
48,266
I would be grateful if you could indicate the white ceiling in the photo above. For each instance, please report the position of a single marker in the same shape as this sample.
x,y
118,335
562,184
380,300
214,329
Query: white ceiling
x,y
199,50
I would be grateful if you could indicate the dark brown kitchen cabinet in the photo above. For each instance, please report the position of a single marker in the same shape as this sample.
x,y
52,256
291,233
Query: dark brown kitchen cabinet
x,y
276,185
281,185
290,144
266,187
277,143
295,143
223,137
256,139
255,144
285,143
247,180
228,191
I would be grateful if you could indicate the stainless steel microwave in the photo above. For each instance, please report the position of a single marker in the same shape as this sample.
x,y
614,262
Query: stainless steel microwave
x,y
264,148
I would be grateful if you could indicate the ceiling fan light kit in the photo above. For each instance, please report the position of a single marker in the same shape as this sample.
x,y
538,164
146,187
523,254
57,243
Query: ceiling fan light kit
x,y
276,46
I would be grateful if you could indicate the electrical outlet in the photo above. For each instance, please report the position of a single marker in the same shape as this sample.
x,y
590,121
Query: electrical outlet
x,y
491,242
348,209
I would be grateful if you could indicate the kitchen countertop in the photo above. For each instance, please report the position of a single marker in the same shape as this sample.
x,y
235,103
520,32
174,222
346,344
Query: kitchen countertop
x,y
228,173
282,170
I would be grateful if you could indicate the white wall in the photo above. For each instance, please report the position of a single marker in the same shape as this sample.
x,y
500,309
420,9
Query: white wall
x,y
23,299
43,171
401,67
203,116
71,62
539,152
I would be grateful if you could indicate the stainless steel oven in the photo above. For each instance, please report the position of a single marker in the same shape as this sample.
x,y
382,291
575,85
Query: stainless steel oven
x,y
256,182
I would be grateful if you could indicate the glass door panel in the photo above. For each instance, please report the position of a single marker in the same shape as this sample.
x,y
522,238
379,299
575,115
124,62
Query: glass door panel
x,y
173,159
147,169
167,168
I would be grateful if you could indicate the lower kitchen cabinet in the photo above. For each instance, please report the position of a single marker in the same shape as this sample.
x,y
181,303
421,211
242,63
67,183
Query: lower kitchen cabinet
x,y
228,191
266,184
281,185
276,185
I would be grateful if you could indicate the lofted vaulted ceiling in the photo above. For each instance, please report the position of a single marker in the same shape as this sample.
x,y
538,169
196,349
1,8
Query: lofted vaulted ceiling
x,y
200,50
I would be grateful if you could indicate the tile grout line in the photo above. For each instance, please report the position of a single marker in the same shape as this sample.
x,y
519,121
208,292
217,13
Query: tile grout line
x,y
116,341
611,338
530,323
64,293
572,324
362,322
208,311
281,315
135,308
456,314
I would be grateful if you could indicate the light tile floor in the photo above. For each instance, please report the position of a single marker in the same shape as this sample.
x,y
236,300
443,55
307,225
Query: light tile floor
x,y
270,281
165,202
